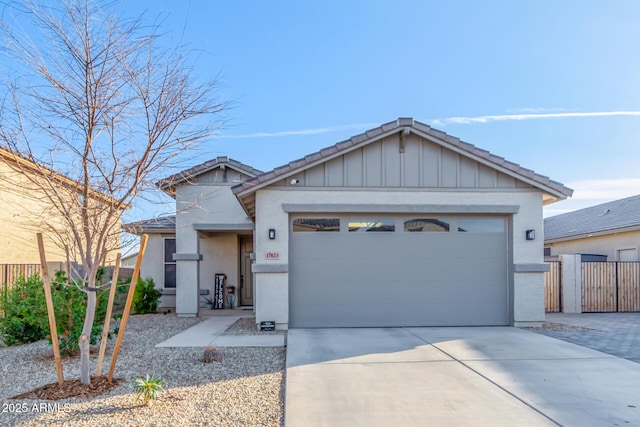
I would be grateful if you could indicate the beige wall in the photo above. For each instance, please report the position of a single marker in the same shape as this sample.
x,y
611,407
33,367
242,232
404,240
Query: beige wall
x,y
20,219
25,212
609,245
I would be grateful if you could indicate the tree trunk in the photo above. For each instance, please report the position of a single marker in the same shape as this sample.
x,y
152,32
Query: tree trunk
x,y
85,338
84,359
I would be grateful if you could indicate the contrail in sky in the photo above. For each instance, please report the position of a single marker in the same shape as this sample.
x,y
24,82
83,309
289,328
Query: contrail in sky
x,y
435,122
504,117
314,131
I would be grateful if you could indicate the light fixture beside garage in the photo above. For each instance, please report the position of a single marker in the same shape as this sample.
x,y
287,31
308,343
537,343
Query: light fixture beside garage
x,y
530,234
272,234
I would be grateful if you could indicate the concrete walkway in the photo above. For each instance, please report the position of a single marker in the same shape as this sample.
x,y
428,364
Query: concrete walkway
x,y
612,333
498,376
209,332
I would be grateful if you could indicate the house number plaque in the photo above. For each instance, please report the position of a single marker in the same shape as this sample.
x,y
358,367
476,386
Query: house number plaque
x,y
272,255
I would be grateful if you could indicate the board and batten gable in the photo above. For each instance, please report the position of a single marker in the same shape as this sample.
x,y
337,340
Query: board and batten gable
x,y
414,163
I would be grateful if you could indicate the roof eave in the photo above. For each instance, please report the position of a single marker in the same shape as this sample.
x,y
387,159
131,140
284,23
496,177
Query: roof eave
x,y
169,184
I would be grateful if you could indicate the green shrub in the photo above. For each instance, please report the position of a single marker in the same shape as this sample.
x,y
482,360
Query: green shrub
x,y
70,306
146,296
25,312
23,306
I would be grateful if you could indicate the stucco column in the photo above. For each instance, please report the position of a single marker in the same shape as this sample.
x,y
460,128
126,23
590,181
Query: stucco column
x,y
528,310
271,267
571,283
187,259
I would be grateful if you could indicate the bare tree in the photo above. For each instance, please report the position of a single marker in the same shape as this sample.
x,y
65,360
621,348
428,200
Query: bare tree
x,y
102,102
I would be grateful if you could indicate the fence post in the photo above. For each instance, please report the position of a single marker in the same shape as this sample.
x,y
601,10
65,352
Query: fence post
x,y
617,287
571,283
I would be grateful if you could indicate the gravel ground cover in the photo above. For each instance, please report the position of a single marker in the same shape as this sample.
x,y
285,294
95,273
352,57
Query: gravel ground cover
x,y
245,389
559,327
247,326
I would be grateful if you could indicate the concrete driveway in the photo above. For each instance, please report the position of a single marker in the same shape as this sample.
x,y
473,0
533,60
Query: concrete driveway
x,y
497,376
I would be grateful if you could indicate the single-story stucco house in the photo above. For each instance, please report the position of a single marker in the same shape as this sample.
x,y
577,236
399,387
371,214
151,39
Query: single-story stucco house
x,y
611,230
402,225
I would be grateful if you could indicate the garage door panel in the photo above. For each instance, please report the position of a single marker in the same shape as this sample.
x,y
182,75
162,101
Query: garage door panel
x,y
404,314
398,279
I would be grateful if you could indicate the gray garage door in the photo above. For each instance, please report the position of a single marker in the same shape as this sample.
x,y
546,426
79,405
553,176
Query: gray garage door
x,y
412,270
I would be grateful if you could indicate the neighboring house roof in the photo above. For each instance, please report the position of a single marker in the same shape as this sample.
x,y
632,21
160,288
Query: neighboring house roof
x,y
607,218
22,164
169,184
164,224
246,190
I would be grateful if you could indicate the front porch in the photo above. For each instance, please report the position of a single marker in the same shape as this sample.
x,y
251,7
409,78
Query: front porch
x,y
216,278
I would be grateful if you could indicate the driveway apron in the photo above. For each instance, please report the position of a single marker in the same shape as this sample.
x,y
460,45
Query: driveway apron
x,y
497,376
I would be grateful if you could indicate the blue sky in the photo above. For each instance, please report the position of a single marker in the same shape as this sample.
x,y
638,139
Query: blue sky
x,y
514,77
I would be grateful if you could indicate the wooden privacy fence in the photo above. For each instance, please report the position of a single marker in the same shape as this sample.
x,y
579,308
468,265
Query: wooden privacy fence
x,y
553,288
610,286
10,272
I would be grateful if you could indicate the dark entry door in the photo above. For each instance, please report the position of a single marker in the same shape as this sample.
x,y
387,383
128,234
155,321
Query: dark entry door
x,y
246,277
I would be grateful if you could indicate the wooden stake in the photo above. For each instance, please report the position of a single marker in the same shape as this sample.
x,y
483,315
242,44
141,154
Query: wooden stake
x,y
50,310
107,319
68,264
127,306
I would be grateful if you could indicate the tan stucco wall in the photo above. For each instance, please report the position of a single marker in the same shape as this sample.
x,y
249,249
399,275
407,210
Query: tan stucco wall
x,y
601,245
20,216
26,212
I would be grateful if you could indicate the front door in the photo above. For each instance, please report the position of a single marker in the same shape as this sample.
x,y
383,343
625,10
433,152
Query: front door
x,y
246,277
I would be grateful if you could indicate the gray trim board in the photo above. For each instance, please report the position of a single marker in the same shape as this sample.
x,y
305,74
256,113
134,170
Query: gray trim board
x,y
187,257
530,268
270,268
224,227
383,208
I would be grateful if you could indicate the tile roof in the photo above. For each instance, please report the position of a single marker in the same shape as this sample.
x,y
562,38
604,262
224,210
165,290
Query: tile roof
x,y
153,225
253,184
622,213
191,173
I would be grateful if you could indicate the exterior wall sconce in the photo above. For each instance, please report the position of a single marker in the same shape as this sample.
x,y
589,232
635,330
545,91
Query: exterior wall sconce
x,y
530,234
272,234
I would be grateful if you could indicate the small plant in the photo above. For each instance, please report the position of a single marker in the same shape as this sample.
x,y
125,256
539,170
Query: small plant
x,y
209,302
146,296
211,354
147,388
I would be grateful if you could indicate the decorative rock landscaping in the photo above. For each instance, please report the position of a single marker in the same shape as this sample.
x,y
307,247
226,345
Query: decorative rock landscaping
x,y
245,389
